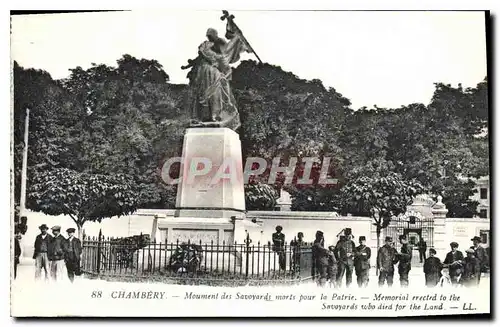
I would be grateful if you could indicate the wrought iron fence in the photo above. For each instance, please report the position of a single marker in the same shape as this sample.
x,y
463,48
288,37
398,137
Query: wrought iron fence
x,y
196,260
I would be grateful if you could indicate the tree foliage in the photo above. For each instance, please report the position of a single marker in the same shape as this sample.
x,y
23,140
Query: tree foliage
x,y
260,197
82,196
383,197
126,120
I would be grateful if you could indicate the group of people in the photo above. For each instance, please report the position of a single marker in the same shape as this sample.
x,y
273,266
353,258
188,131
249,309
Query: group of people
x,y
333,262
56,255
456,269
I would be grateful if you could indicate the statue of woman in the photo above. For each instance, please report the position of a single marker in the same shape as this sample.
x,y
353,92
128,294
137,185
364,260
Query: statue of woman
x,y
212,103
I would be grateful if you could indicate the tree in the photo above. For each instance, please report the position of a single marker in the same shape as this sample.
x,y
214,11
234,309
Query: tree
x,y
134,121
260,197
82,196
383,197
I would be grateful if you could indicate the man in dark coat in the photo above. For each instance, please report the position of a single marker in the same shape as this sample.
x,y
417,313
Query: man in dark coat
x,y
279,246
386,259
454,261
17,249
362,262
432,269
472,269
404,257
480,253
422,249
73,251
56,254
296,246
344,254
320,257
41,253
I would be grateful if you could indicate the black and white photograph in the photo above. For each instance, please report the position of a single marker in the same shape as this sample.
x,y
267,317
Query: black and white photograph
x,y
250,163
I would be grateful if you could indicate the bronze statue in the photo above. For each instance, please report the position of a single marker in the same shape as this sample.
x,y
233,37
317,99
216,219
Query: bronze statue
x,y
212,103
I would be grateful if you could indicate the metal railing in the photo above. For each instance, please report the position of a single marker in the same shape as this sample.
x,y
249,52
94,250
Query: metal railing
x,y
138,257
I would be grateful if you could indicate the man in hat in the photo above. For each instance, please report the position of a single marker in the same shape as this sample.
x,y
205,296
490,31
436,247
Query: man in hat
x,y
344,253
41,253
56,254
480,253
279,246
404,257
320,258
362,262
472,269
432,269
386,259
454,261
73,251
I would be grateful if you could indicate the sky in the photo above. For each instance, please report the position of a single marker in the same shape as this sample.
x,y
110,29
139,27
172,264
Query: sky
x,y
388,59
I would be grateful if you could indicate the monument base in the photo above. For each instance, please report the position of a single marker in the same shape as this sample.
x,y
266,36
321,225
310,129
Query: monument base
x,y
211,197
207,230
196,230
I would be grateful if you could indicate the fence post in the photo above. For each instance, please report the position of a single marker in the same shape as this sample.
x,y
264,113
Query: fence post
x,y
247,243
99,251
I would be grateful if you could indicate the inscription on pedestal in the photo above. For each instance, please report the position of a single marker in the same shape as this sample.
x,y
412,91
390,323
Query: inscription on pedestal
x,y
195,236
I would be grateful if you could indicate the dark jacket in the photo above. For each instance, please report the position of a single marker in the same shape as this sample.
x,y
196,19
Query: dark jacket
x,y
482,257
387,258
341,253
56,248
472,270
432,271
405,258
278,241
362,258
38,244
320,254
422,246
455,262
72,249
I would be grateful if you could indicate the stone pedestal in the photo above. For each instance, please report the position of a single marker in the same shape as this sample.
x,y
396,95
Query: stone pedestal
x,y
210,203
212,175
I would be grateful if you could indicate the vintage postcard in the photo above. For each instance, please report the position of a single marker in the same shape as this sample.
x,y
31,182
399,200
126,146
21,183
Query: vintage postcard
x,y
181,163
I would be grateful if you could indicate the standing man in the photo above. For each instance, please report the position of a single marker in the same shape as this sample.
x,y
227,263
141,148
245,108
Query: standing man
x,y
432,269
404,261
41,253
56,254
296,245
454,261
472,269
386,259
422,249
344,253
362,262
279,246
17,249
480,253
320,258
73,251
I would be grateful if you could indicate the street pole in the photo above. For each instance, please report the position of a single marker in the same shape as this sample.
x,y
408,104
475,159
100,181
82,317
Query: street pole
x,y
22,209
